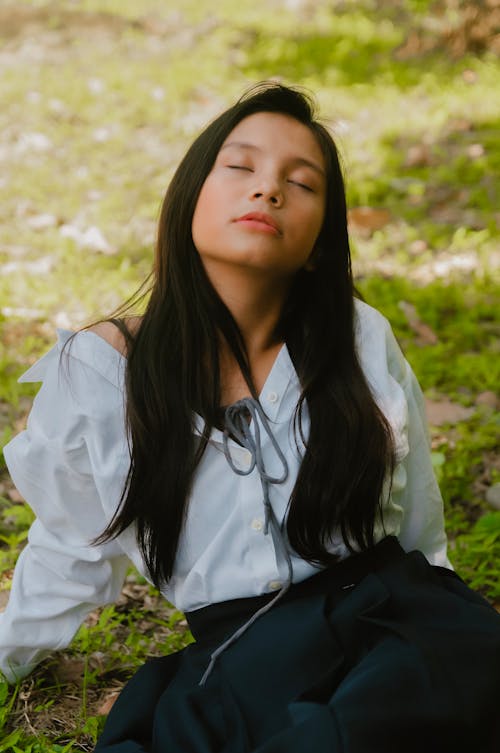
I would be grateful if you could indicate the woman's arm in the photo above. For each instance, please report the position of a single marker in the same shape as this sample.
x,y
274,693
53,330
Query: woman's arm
x,y
415,507
57,467
415,488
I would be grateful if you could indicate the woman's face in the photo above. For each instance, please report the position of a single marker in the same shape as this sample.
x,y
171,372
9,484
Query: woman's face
x,y
262,205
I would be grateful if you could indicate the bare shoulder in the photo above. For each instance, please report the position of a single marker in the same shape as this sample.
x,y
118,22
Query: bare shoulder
x,y
112,334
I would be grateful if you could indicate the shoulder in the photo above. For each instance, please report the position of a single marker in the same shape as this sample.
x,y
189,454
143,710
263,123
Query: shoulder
x,y
386,371
113,335
376,344
85,364
366,315
369,323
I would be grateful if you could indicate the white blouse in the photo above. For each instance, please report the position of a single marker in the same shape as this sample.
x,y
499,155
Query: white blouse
x,y
71,462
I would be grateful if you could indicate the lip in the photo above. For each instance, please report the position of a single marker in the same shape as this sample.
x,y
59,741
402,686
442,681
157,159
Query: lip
x,y
254,219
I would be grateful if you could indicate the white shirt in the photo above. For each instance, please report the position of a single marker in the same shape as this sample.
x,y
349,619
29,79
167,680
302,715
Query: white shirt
x,y
71,462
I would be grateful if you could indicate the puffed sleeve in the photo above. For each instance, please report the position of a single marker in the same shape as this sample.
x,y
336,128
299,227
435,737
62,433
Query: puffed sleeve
x,y
414,508
74,437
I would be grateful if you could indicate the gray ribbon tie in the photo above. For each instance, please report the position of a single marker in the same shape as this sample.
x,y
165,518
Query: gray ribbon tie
x,y
236,424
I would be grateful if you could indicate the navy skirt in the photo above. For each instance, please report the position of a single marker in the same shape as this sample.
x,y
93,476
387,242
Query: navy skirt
x,y
380,653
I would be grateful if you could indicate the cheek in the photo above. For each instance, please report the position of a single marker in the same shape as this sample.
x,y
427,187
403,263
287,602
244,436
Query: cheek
x,y
311,226
203,215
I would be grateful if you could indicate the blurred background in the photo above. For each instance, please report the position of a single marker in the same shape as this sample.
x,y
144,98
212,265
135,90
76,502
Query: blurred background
x,y
99,101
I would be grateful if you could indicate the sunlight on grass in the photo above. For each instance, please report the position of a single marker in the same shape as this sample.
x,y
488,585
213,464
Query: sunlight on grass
x,y
99,100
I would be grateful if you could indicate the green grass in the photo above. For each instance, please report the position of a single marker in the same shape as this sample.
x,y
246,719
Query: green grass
x,y
96,111
464,317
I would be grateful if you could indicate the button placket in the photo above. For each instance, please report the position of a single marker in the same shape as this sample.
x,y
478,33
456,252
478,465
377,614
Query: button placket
x,y
260,548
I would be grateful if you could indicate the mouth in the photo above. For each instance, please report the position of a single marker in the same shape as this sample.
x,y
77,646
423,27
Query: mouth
x,y
260,221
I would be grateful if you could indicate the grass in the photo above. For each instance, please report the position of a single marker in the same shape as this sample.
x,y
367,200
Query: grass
x,y
99,100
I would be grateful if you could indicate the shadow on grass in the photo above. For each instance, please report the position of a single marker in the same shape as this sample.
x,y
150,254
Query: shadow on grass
x,y
359,45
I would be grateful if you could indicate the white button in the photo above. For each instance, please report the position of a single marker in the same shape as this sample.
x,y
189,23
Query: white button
x,y
257,524
273,397
275,584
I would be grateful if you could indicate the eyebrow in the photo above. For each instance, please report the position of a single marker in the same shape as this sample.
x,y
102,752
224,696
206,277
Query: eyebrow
x,y
296,160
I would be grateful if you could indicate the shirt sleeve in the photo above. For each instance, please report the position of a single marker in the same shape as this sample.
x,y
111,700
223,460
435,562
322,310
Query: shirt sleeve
x,y
60,576
415,489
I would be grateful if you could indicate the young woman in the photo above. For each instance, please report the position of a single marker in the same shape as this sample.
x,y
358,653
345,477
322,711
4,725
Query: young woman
x,y
255,444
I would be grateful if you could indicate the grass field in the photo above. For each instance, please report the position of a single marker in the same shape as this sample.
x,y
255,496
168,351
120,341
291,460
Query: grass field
x,y
99,100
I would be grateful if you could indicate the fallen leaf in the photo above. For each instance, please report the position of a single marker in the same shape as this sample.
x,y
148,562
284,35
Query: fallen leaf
x,y
95,240
36,142
417,247
448,215
91,238
101,134
475,150
446,412
14,495
365,220
41,266
493,496
425,335
469,76
488,398
69,670
95,85
108,703
62,320
460,124
22,312
96,659
418,155
42,221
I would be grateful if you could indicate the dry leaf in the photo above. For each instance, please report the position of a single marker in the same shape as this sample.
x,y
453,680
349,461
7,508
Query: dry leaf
x,y
425,335
460,124
418,247
108,703
42,221
14,495
475,150
418,155
91,238
493,496
446,412
488,398
365,220
69,670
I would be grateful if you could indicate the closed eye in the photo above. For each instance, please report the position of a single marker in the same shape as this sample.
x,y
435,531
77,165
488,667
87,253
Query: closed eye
x,y
301,185
240,167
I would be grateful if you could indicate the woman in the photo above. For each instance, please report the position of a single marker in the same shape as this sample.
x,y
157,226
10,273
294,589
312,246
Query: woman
x,y
268,470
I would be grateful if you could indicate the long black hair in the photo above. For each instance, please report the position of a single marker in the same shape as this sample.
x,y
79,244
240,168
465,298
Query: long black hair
x,y
173,369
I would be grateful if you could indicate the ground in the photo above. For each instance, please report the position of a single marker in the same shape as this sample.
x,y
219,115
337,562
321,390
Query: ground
x,y
98,103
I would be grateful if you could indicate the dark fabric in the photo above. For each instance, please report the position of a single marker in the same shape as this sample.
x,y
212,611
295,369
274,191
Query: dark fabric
x,y
381,653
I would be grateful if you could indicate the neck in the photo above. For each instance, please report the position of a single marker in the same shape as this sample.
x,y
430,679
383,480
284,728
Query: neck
x,y
255,301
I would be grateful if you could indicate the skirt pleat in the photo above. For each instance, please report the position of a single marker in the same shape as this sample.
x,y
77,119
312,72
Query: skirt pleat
x,y
382,653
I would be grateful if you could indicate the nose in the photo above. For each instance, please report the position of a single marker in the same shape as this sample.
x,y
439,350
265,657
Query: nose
x,y
269,189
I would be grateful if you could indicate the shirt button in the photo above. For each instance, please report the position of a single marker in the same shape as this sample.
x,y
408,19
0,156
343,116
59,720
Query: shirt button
x,y
257,524
273,397
274,585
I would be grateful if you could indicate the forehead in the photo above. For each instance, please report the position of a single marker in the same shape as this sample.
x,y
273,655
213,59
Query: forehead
x,y
277,132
